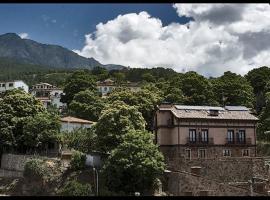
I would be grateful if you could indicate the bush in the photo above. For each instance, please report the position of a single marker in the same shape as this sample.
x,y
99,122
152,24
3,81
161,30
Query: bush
x,y
77,160
74,188
34,168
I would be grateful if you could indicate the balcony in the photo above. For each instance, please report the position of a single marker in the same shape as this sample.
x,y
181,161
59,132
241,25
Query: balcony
x,y
200,141
236,141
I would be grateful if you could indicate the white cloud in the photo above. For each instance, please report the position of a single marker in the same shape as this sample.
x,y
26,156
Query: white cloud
x,y
222,37
24,35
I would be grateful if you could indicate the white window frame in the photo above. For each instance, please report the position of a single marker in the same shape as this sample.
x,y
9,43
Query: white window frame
x,y
229,150
205,153
248,150
189,158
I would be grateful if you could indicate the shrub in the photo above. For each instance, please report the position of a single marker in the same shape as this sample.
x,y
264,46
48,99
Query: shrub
x,y
77,160
74,188
34,168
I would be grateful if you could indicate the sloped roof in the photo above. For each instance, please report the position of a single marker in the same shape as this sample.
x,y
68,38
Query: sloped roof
x,y
203,112
75,120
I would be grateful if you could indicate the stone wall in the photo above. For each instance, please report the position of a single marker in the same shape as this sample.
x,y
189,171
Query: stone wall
x,y
225,169
186,184
8,173
14,162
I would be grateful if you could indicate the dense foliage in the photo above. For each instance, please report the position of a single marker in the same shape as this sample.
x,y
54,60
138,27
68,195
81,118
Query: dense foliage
x,y
117,119
87,104
77,160
24,122
134,164
75,188
83,140
77,82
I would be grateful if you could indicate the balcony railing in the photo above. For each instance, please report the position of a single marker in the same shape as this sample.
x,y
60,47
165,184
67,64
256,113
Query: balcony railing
x,y
200,141
237,141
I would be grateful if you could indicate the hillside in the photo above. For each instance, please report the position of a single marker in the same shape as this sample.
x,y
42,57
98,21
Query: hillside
x,y
53,56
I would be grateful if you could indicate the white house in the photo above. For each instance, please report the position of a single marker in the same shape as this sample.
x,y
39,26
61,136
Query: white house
x,y
9,85
48,95
107,86
70,123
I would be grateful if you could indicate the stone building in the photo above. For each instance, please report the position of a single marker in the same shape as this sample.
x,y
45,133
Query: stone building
x,y
219,141
205,132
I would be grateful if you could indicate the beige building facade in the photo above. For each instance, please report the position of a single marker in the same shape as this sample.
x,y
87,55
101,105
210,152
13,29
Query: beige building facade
x,y
203,132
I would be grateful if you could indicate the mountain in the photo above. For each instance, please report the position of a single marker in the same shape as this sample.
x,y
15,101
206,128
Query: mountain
x,y
28,51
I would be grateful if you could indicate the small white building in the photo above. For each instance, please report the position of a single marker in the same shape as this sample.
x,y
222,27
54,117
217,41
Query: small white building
x,y
70,123
9,85
48,95
107,86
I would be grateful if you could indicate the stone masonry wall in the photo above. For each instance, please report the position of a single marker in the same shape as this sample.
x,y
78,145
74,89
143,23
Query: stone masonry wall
x,y
14,162
225,169
186,184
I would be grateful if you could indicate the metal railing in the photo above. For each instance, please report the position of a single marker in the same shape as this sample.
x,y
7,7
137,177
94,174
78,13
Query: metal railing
x,y
199,141
238,141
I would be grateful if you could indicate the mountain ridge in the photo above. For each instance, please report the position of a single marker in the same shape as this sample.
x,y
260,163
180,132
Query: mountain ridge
x,y
12,46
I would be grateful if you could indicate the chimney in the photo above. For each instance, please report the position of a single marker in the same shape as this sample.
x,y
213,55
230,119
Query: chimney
x,y
196,170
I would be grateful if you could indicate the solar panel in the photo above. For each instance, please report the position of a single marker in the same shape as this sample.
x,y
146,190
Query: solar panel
x,y
236,108
184,107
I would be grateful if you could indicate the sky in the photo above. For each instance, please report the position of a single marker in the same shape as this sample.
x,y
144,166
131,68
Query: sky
x,y
207,38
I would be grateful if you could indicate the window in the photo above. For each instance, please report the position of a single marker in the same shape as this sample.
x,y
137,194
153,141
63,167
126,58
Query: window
x,y
227,152
241,136
230,136
3,85
245,152
204,135
192,135
202,153
10,85
188,154
105,88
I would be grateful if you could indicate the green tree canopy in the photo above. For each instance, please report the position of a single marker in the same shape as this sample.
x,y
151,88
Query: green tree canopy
x,y
87,104
197,89
233,89
41,129
145,100
81,139
115,121
263,130
134,164
24,122
77,82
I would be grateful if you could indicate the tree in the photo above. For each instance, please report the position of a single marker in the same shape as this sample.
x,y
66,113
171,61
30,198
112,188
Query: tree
x,y
119,77
115,121
258,78
263,130
77,82
87,105
148,77
81,139
197,89
24,122
145,100
134,164
233,89
40,130
101,73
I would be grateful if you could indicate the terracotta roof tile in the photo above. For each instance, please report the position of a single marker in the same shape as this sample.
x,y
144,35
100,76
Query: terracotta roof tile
x,y
75,120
